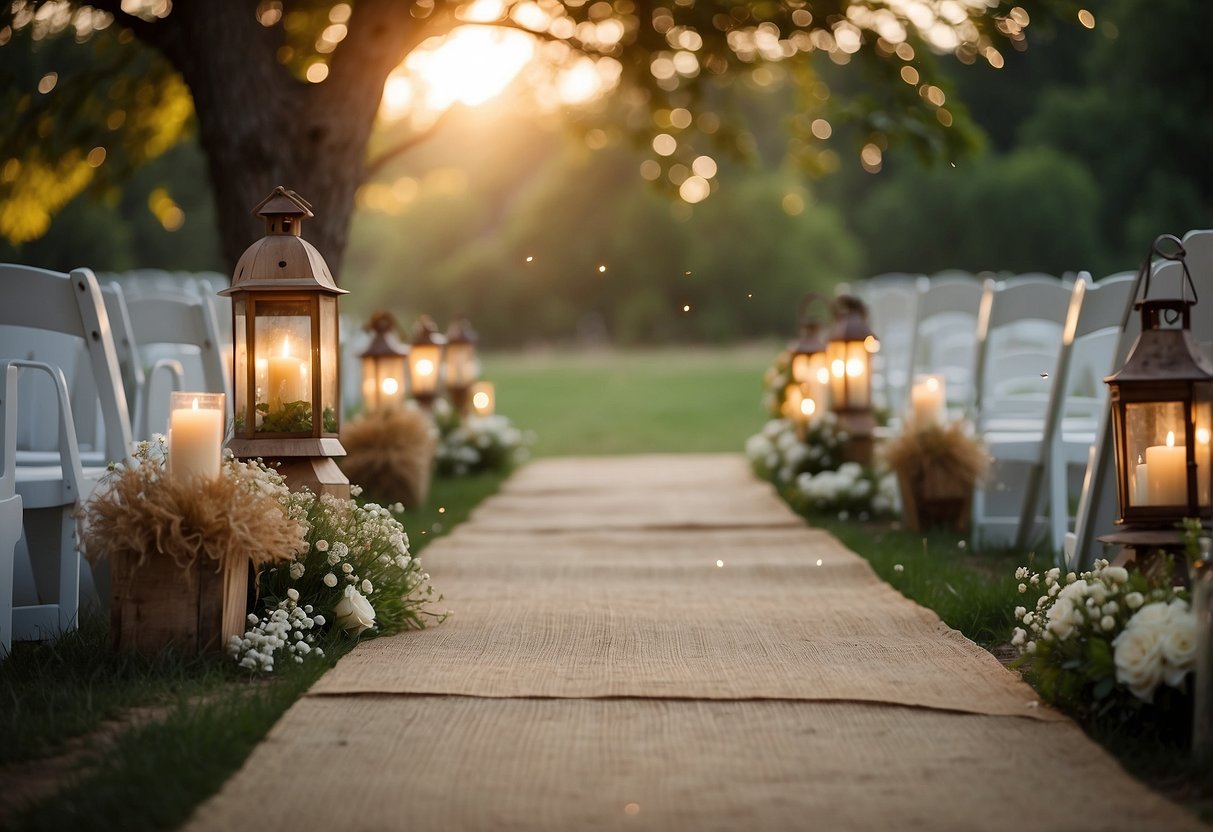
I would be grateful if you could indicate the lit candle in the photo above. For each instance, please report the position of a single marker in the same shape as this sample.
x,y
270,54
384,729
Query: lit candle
x,y
482,398
927,402
1167,480
286,377
791,402
1141,494
195,435
1202,465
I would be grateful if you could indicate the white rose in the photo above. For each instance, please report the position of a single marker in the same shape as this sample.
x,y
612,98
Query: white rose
x,y
1178,645
1151,614
1117,574
296,570
1134,600
1138,660
353,612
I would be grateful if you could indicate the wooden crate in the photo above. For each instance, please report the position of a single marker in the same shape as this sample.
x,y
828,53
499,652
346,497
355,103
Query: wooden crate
x,y
934,502
157,604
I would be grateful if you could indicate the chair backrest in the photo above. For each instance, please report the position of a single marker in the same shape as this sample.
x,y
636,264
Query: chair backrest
x,y
69,305
175,325
125,345
1019,347
945,332
8,432
891,300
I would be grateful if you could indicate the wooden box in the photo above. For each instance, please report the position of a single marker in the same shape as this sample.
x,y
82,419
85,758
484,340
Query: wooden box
x,y
157,604
932,502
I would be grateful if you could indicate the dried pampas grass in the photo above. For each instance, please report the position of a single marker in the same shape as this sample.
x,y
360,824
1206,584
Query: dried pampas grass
x,y
940,453
390,453
139,512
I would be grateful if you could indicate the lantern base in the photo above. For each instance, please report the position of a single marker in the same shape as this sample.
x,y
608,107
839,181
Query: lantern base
x,y
859,427
461,400
319,474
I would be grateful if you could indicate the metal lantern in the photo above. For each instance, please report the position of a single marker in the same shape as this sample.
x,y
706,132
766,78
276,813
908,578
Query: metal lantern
x,y
849,356
286,351
810,368
384,365
425,361
460,366
1162,415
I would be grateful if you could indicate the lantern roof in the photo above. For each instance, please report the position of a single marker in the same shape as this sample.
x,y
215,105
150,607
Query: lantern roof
x,y
810,340
1164,355
282,261
384,342
850,319
460,332
425,332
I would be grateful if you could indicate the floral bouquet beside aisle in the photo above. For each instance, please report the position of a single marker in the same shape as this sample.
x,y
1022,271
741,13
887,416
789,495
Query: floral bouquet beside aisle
x,y
477,443
1108,643
353,574
775,383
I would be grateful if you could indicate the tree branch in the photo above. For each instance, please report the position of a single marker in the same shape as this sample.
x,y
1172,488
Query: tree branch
x,y
373,166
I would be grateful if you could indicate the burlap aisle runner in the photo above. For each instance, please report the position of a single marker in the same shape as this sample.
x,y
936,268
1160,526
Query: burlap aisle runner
x,y
657,643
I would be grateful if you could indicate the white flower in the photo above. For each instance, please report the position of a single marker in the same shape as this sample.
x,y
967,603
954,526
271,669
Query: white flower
x,y
897,567
319,619
1018,637
293,594
353,612
296,570
1117,574
322,545
1138,658
1060,617
333,559
1023,588
367,587
1178,643
330,580
1019,613
1107,623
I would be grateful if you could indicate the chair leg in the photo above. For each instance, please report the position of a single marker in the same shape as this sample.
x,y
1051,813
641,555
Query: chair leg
x,y
69,573
10,533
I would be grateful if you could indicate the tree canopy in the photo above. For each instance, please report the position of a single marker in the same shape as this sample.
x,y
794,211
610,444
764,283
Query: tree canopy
x,y
288,91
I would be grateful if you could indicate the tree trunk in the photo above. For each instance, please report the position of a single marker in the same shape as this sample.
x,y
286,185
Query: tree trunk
x,y
260,127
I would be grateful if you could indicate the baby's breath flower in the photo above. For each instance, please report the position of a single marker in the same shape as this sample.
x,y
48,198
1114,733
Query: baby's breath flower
x,y
330,580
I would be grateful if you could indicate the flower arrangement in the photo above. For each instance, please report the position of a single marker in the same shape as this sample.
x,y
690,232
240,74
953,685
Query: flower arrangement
x,y
779,455
353,573
852,488
477,443
937,467
775,383
390,452
1107,642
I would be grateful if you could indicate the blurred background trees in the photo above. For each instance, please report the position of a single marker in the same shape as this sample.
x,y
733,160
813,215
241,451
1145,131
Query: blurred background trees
x,y
570,222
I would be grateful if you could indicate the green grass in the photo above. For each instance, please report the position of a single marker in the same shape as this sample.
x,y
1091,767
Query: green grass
x,y
619,402
208,714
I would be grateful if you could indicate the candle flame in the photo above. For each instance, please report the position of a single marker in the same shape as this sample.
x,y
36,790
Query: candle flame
x,y
286,347
1170,439
854,368
390,386
838,367
425,367
808,407
480,401
1202,436
195,402
932,383
823,375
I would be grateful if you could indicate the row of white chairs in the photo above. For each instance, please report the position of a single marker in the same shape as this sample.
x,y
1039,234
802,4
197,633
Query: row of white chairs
x,y
78,361
1024,358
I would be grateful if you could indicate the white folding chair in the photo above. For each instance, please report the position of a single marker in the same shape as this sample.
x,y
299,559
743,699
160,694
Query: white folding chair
x,y
178,332
10,503
1076,401
46,313
945,335
1020,346
891,300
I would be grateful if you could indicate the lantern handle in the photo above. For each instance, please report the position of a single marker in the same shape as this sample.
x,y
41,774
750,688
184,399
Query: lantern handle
x,y
1179,254
806,303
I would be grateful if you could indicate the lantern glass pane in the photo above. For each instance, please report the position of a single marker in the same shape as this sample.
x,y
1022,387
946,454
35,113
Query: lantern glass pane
x,y
329,355
461,368
836,362
792,397
383,381
801,366
482,396
240,367
423,369
1155,433
858,376
1202,421
282,338
818,383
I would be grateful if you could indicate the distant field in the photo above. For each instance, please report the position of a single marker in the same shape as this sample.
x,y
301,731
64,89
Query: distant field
x,y
636,401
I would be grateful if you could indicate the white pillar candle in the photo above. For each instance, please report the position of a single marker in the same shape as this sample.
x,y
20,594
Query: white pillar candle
x,y
286,378
927,401
1203,458
1167,475
195,435
1141,493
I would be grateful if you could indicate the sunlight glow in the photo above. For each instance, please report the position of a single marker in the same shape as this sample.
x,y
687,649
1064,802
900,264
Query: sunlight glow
x,y
469,66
